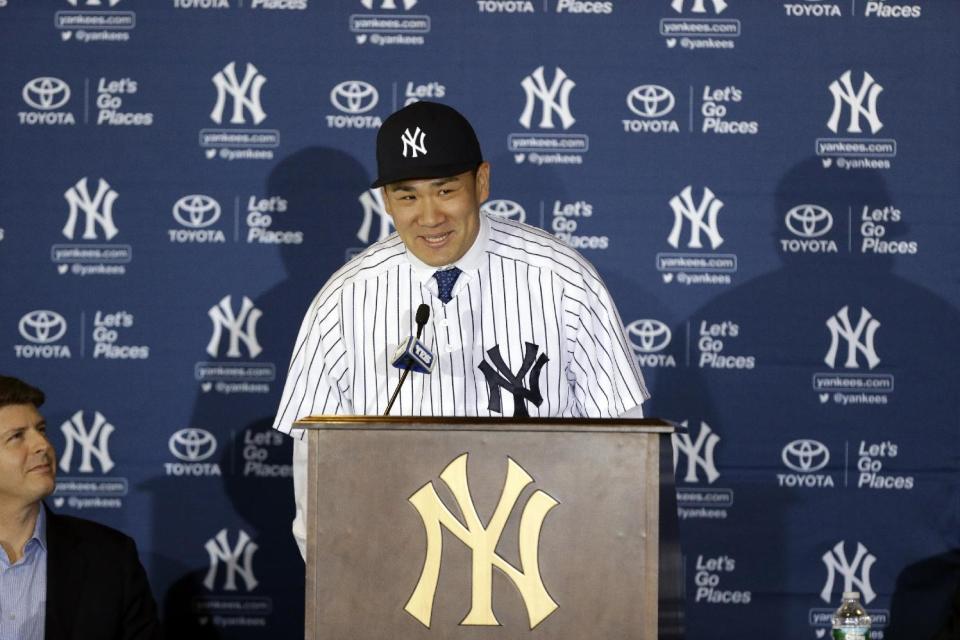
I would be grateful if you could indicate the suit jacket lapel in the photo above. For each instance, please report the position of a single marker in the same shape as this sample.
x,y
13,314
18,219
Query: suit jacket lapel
x,y
66,569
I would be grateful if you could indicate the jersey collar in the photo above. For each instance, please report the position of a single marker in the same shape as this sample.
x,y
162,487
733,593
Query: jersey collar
x,y
470,263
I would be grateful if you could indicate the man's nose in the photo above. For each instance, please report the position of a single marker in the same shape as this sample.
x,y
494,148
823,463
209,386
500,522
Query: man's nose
x,y
37,441
432,214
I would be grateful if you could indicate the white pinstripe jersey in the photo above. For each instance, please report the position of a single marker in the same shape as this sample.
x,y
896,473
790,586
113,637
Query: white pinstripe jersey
x,y
519,285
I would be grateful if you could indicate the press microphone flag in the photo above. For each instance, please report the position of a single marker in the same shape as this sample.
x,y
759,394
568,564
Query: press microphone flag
x,y
414,354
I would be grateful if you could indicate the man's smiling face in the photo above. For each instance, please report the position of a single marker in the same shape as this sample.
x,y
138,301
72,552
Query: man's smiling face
x,y
438,219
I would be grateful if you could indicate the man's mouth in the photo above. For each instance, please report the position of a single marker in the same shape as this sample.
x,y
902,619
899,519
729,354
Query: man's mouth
x,y
436,240
44,467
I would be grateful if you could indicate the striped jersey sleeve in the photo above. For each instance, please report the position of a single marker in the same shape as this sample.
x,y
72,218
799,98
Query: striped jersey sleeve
x,y
603,376
606,379
316,380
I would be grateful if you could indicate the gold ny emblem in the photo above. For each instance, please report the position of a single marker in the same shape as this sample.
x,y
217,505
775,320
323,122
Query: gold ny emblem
x,y
483,542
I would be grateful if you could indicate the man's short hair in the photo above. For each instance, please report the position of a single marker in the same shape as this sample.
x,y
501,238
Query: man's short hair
x,y
16,391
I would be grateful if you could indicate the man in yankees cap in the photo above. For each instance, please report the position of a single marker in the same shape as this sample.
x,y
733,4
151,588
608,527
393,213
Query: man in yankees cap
x,y
520,324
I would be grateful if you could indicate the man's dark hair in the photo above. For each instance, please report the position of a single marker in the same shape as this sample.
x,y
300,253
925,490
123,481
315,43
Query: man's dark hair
x,y
16,391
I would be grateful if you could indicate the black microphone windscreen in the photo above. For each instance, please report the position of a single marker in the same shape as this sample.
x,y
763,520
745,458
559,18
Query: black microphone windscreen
x,y
423,314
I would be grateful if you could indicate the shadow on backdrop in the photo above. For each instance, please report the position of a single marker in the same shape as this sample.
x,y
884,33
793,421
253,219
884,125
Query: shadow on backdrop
x,y
923,607
756,411
253,501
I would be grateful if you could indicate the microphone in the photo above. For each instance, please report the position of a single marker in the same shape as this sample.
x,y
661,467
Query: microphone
x,y
412,354
423,314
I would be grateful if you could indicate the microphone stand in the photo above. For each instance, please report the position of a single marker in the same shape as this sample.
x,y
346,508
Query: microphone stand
x,y
396,392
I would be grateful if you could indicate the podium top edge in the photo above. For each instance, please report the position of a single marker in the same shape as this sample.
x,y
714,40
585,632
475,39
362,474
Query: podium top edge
x,y
416,423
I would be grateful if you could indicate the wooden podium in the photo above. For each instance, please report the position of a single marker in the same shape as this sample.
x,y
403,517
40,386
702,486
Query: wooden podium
x,y
462,528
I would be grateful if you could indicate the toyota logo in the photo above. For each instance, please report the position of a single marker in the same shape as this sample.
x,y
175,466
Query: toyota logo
x,y
42,327
196,211
46,93
650,101
354,96
805,456
648,336
505,209
192,445
808,221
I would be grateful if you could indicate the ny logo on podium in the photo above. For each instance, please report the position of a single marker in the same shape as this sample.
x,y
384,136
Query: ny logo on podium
x,y
483,542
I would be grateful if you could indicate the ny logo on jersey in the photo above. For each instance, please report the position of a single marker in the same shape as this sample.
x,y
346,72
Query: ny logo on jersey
x,y
483,542
97,209
859,339
242,326
372,202
219,550
684,209
502,378
553,99
245,94
836,561
698,6
414,142
699,453
843,92
93,443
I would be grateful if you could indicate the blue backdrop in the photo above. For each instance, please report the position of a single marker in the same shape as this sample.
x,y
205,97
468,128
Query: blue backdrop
x,y
769,188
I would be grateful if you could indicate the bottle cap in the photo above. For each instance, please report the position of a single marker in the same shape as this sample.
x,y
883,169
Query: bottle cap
x,y
851,595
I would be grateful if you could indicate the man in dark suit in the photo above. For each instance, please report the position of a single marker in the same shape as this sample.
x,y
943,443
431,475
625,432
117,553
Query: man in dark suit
x,y
61,578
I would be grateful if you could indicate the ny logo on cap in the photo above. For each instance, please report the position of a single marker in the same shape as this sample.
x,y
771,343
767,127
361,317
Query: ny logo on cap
x,y
414,142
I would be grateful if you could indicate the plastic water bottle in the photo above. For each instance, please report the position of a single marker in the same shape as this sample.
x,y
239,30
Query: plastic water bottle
x,y
850,621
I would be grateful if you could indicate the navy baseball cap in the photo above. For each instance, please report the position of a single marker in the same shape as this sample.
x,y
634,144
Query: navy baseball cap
x,y
425,140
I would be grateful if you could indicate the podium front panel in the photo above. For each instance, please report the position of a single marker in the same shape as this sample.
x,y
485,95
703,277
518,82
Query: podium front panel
x,y
586,501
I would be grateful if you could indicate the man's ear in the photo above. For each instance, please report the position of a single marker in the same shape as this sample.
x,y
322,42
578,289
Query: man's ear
x,y
483,182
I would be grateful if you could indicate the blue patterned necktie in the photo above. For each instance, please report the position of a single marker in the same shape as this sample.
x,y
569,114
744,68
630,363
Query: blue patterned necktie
x,y
445,280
